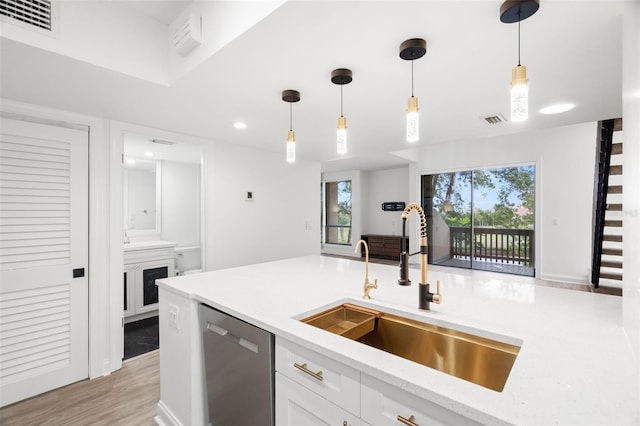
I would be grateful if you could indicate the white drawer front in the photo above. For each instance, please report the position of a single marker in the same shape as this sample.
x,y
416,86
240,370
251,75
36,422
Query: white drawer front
x,y
149,255
297,405
332,380
382,404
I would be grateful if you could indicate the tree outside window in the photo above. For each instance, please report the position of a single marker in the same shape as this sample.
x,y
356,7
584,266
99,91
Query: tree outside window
x,y
337,208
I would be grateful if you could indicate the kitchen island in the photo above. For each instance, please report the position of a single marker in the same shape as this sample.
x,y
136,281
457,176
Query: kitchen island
x,y
575,365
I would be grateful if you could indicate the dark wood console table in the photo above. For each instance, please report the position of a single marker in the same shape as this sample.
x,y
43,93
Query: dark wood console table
x,y
385,246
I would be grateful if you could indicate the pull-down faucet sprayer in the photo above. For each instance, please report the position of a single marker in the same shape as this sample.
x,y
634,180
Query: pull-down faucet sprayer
x,y
424,295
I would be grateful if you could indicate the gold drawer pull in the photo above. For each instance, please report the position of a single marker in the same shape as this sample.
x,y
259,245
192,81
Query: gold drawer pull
x,y
303,367
409,422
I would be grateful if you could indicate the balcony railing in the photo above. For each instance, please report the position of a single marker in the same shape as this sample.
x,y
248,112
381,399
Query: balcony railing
x,y
337,234
494,244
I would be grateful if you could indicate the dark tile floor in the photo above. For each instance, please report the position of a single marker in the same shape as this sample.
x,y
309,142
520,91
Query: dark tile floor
x,y
141,337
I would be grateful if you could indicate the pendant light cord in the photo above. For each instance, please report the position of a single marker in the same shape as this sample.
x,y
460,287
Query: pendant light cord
x,y
412,78
290,116
519,37
341,114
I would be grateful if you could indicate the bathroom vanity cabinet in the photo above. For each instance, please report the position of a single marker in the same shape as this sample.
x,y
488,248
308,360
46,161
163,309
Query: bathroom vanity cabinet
x,y
144,263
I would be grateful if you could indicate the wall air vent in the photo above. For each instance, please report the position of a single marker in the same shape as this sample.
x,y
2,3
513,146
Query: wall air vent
x,y
34,14
494,119
187,35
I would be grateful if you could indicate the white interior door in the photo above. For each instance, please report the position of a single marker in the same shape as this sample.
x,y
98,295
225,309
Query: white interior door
x,y
43,245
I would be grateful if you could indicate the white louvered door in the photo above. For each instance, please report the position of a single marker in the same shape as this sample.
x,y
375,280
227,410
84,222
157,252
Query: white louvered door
x,y
43,238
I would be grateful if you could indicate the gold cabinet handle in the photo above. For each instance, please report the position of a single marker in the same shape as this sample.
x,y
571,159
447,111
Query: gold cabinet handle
x,y
303,368
409,422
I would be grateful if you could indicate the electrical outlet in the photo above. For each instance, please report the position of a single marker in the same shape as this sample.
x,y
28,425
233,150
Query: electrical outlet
x,y
173,317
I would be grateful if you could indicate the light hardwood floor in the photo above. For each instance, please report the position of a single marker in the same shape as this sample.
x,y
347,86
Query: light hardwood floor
x,y
127,397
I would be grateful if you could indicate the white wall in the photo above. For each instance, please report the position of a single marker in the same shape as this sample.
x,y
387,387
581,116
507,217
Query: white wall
x,y
181,203
631,165
280,222
122,40
386,185
564,159
222,22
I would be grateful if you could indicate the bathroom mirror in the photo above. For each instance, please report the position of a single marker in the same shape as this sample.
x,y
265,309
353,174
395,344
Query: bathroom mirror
x,y
142,191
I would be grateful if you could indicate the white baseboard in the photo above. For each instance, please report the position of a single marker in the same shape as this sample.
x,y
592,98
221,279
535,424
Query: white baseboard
x,y
165,417
564,278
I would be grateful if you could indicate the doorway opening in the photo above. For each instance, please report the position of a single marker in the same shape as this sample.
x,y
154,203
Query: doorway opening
x,y
482,219
162,214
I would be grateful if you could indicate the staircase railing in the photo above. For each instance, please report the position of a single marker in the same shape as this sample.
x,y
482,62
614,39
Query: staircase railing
x,y
601,185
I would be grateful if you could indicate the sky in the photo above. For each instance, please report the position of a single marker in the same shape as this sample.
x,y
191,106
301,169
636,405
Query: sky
x,y
487,198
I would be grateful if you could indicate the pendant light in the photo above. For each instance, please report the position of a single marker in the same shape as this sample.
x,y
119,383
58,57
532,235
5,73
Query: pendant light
x,y
291,96
410,50
341,76
515,11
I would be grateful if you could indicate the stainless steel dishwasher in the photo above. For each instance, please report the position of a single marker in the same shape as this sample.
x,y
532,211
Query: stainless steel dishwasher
x,y
238,359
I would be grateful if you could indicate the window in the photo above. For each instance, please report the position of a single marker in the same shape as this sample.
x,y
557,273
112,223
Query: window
x,y
336,212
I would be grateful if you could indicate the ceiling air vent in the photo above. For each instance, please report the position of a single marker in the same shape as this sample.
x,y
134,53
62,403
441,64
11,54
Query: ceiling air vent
x,y
163,142
494,119
32,13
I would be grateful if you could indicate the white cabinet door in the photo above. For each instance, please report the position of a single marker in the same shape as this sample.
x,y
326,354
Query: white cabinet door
x,y
297,405
129,282
330,379
384,404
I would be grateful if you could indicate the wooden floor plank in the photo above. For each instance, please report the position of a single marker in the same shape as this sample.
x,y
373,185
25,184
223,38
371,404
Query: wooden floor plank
x,y
127,397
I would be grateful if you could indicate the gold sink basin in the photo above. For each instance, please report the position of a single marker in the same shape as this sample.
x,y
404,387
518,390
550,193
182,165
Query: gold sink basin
x,y
477,359
347,320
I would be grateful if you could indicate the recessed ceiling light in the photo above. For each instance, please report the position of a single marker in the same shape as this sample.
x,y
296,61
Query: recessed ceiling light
x,y
148,154
557,108
240,125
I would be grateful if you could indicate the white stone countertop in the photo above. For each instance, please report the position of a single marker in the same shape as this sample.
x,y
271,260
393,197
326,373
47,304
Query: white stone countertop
x,y
146,245
575,366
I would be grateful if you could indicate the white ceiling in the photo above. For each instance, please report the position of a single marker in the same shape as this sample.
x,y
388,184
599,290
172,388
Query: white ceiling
x,y
164,11
572,50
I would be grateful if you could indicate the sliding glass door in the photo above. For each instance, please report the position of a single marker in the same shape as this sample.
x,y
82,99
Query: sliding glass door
x,y
447,205
482,219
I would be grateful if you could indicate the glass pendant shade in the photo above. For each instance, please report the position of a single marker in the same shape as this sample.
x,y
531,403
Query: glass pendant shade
x,y
413,120
341,135
519,94
341,77
291,147
291,96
